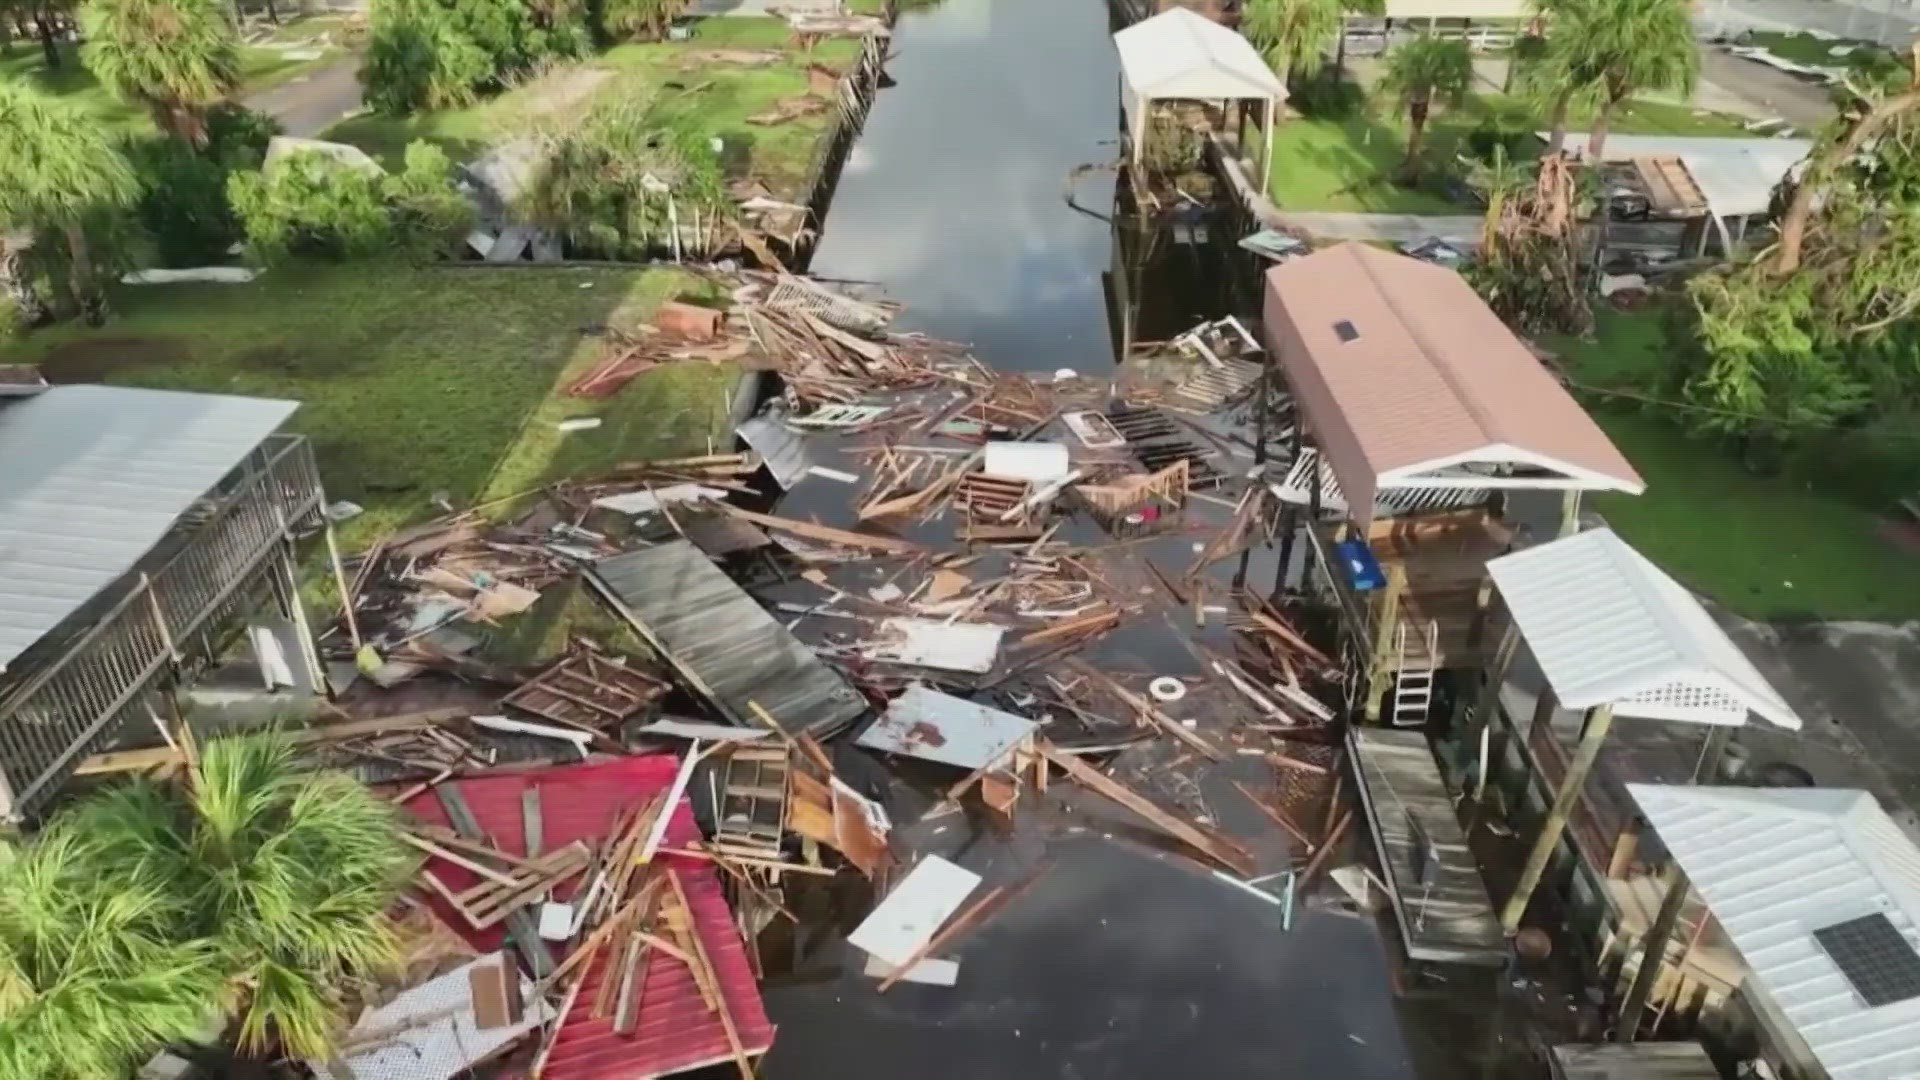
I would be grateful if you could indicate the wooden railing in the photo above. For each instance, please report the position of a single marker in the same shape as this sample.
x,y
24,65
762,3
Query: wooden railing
x,y
82,697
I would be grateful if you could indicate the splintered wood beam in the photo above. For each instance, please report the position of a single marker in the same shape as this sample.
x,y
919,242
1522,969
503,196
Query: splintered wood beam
x,y
1223,851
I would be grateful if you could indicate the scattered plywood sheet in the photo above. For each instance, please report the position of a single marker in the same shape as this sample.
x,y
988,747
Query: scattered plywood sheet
x,y
430,1031
926,972
1036,462
647,502
946,584
927,724
968,647
860,829
912,913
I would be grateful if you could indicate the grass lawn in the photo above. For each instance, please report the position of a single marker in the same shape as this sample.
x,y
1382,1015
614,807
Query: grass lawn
x,y
1806,48
1350,164
717,89
415,382
1767,547
71,81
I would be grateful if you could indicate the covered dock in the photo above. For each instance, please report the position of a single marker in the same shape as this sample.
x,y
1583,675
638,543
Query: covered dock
x,y
1182,55
1439,899
722,642
1421,406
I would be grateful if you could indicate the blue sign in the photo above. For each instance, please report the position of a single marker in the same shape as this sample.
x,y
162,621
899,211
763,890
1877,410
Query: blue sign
x,y
1357,562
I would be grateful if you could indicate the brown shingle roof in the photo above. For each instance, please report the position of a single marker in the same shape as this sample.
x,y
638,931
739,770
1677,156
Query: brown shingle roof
x,y
1428,376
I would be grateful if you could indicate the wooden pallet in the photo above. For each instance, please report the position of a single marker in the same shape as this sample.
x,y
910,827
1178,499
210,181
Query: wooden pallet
x,y
986,498
1208,388
753,799
586,690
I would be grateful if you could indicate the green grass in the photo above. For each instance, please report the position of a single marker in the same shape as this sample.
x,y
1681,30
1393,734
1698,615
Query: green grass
x,y
1805,48
1767,547
260,68
716,94
1350,164
414,382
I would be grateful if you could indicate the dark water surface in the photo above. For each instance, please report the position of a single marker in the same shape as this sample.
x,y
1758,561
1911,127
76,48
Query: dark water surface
x,y
954,197
1121,961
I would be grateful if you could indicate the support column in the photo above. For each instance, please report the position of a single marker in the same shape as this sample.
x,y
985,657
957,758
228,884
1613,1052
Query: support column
x,y
1488,700
1569,513
1598,723
297,613
1386,621
1653,954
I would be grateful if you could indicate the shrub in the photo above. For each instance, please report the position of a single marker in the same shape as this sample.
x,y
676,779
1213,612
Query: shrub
x,y
313,205
1172,147
183,200
637,20
614,180
438,54
1327,96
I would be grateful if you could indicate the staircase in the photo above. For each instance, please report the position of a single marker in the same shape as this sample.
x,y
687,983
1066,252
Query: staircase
x,y
1413,679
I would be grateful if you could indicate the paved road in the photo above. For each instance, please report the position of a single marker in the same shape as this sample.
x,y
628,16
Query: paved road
x,y
1890,22
1802,104
307,105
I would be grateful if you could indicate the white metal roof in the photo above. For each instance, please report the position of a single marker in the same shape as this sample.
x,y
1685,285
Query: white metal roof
x,y
1736,175
1609,627
93,477
1776,864
1181,54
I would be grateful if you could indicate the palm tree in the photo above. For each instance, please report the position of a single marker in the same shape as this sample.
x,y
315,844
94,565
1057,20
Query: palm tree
x,y
287,875
90,982
58,167
1615,48
177,58
1293,34
1424,74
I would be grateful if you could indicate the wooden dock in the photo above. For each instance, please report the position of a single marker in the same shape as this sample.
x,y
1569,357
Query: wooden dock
x,y
722,642
1447,917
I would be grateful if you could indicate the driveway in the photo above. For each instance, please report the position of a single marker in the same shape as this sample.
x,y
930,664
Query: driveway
x,y
309,104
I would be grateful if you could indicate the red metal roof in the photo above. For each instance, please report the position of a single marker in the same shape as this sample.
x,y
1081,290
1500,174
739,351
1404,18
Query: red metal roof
x,y
582,802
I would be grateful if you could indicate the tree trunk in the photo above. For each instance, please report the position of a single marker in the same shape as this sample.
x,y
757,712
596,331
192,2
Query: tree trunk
x,y
1416,139
31,309
43,22
1597,139
1340,55
86,293
1793,224
273,13
1557,140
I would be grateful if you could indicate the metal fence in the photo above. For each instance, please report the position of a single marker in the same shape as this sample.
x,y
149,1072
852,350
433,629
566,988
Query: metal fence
x,y
86,694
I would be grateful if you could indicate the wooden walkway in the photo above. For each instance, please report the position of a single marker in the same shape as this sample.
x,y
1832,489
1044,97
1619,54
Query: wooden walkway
x,y
722,642
1448,917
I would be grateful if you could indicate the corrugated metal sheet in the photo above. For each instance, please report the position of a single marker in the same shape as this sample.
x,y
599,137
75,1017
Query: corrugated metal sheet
x,y
1451,920
722,642
582,802
1608,626
1633,1061
1735,175
91,478
1776,864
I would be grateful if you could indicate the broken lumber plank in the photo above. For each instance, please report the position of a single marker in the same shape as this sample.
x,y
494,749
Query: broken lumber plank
x,y
1331,841
1274,815
965,919
1219,849
1274,757
826,533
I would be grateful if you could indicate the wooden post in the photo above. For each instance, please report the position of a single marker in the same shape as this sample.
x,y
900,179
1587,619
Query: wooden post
x,y
1653,954
1489,699
1386,621
1598,723
1569,512
340,582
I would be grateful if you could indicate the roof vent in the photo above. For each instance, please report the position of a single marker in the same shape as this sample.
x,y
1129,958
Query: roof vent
x,y
1345,332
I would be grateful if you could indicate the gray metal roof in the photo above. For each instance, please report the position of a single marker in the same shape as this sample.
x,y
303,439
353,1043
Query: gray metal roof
x,y
1610,628
1777,864
91,478
1633,1061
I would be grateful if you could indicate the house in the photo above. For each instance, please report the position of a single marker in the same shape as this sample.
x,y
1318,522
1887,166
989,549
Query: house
x,y
140,532
1702,193
1817,891
1417,413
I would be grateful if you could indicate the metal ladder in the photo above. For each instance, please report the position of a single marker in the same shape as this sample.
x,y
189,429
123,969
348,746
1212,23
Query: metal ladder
x,y
1413,677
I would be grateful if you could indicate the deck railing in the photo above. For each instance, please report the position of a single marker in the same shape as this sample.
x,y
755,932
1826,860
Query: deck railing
x,y
82,697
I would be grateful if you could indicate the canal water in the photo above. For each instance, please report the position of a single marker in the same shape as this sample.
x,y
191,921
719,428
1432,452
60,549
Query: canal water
x,y
1121,960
